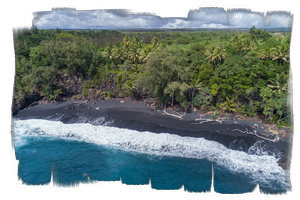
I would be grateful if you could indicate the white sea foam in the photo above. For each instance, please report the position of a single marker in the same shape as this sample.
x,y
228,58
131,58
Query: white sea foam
x,y
262,169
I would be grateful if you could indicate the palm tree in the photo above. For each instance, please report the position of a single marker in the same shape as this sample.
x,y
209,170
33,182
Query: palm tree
x,y
127,43
215,55
118,44
234,39
137,41
280,83
228,105
108,52
247,45
119,53
155,43
210,54
134,54
144,54
280,53
219,54
238,43
129,87
265,54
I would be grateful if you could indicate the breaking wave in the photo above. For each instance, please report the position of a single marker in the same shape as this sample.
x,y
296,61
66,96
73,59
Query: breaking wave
x,y
260,167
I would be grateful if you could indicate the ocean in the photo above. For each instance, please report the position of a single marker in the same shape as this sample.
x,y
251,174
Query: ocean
x,y
70,154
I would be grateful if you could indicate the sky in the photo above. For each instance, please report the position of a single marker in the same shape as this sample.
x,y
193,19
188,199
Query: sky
x,y
203,17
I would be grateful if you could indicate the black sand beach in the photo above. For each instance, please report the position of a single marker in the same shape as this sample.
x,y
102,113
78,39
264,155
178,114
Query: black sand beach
x,y
139,116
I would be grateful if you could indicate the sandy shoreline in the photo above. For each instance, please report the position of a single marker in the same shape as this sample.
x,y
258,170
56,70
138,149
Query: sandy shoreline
x,y
139,116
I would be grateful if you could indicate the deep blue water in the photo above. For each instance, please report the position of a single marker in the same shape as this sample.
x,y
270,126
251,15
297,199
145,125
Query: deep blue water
x,y
70,154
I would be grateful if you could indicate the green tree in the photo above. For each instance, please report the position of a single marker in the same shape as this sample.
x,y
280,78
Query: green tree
x,y
247,45
205,73
237,43
155,43
210,54
127,43
281,53
144,54
215,55
257,34
274,104
40,80
130,88
134,54
215,89
204,98
119,53
108,53
171,89
163,67
265,53
280,83
219,54
228,106
38,56
194,85
137,41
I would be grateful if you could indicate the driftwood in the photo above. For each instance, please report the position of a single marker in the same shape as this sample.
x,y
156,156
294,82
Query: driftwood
x,y
205,120
175,115
81,102
276,139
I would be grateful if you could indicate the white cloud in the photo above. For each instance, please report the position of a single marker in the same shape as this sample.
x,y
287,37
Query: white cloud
x,y
176,23
208,16
278,19
212,25
122,19
245,18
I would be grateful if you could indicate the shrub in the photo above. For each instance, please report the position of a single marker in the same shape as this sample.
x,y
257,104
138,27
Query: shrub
x,y
50,93
213,116
110,94
104,94
228,106
185,104
84,94
250,109
121,94
204,98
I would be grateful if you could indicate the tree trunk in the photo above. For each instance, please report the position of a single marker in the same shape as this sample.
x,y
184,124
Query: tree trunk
x,y
132,96
193,99
173,100
280,117
113,62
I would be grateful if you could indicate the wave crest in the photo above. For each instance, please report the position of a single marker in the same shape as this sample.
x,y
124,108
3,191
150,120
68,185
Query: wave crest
x,y
262,168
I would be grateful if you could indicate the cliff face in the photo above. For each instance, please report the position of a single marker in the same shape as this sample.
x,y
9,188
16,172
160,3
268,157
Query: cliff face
x,y
70,86
28,100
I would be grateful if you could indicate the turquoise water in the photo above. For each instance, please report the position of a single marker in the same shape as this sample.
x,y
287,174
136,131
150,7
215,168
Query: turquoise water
x,y
69,154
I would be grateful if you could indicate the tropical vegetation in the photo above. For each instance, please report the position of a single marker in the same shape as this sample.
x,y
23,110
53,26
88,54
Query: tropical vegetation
x,y
243,72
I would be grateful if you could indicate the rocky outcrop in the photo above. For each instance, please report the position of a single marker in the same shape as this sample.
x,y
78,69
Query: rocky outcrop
x,y
29,100
70,86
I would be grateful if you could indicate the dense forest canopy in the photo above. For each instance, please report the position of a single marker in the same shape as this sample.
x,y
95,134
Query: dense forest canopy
x,y
226,71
